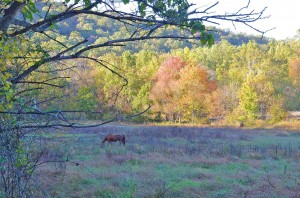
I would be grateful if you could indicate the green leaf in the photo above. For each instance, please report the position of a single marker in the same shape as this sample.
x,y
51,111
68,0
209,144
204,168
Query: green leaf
x,y
211,40
87,2
27,13
52,26
32,8
142,8
125,1
193,30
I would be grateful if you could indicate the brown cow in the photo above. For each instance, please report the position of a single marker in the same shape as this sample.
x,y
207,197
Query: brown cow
x,y
114,138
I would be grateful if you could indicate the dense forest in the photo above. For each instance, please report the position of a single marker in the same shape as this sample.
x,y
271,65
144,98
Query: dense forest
x,y
190,85
102,29
242,78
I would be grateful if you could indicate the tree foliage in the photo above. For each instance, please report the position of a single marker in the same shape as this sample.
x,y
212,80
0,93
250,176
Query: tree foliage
x,y
294,70
180,89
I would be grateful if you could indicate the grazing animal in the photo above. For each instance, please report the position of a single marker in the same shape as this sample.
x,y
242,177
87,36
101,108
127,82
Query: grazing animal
x,y
114,138
241,124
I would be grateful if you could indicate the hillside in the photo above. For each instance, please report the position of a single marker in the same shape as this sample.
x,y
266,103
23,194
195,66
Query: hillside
x,y
104,28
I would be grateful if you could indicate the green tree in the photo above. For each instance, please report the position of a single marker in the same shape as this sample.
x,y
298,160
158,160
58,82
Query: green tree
x,y
248,101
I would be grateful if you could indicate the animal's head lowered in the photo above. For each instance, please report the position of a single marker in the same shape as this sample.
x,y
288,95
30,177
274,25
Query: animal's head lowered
x,y
123,139
104,140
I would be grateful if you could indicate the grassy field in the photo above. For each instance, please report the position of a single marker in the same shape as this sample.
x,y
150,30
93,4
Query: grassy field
x,y
173,162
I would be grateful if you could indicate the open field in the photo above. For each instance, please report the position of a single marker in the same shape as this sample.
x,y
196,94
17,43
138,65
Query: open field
x,y
174,162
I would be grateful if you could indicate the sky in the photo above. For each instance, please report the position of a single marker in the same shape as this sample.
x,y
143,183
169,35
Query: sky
x,y
284,16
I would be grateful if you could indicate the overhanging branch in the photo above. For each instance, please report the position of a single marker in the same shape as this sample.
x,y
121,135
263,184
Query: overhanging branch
x,y
77,125
122,16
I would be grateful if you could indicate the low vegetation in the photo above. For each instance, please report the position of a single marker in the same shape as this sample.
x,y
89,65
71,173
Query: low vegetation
x,y
174,162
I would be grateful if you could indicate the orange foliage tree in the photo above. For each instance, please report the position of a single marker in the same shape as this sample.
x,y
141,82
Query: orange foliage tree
x,y
180,90
164,92
294,70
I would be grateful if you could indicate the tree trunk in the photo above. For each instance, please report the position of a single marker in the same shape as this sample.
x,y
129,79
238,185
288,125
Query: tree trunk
x,y
9,14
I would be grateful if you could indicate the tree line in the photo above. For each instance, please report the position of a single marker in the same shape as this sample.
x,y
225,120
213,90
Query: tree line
x,y
233,83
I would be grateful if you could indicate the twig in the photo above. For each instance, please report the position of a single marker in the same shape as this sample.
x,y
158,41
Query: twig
x,y
77,125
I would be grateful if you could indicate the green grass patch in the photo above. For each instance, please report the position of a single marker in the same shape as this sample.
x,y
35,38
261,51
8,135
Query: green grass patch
x,y
232,167
185,183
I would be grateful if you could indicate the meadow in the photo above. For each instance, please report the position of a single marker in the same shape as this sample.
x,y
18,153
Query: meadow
x,y
172,162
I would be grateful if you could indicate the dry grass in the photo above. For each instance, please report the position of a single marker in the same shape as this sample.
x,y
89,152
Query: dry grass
x,y
293,125
177,162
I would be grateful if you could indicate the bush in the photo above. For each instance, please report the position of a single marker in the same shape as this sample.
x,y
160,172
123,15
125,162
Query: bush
x,y
277,112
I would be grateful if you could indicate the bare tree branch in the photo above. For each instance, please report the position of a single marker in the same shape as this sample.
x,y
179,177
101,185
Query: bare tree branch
x,y
37,64
39,83
77,125
123,16
54,40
